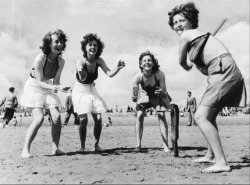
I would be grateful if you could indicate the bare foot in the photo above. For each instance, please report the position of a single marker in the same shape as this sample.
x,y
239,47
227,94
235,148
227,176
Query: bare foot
x,y
216,168
166,149
57,152
98,149
204,159
26,155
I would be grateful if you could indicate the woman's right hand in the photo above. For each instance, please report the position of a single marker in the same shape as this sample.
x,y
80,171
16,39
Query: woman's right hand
x,y
55,88
82,74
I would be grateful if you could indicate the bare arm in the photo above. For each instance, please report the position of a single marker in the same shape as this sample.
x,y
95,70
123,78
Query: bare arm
x,y
136,82
79,68
162,90
109,72
183,44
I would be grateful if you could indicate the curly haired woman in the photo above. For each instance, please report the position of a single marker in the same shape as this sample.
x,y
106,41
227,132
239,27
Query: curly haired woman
x,y
151,81
41,87
226,85
85,97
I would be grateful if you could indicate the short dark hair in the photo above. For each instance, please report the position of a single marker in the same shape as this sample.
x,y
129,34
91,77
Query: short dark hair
x,y
11,89
87,39
189,92
47,41
188,10
155,61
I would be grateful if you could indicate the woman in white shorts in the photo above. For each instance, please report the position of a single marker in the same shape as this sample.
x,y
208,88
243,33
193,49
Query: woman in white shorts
x,y
84,94
41,87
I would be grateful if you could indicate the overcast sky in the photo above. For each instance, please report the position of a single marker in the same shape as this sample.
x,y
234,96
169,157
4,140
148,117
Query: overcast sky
x,y
128,28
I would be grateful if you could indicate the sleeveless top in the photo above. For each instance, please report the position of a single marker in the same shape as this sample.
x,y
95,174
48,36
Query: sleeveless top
x,y
91,77
195,49
150,90
51,69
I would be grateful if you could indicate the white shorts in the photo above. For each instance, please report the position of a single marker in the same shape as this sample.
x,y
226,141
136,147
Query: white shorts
x,y
35,96
86,99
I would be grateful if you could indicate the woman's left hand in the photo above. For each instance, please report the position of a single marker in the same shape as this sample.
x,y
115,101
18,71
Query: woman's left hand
x,y
120,64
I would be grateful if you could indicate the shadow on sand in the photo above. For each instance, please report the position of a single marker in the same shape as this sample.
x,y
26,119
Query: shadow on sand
x,y
122,150
115,151
245,163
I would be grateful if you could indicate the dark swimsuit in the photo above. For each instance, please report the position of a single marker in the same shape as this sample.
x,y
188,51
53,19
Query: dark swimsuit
x,y
195,49
150,90
154,100
91,77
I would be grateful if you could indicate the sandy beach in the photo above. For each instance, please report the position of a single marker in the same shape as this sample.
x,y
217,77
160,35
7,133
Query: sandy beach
x,y
118,164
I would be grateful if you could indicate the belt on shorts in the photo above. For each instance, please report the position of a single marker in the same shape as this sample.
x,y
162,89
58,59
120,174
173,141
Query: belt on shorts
x,y
219,57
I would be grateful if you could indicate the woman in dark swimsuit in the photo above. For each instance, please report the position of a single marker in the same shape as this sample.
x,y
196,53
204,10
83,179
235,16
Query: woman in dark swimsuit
x,y
85,97
225,82
153,88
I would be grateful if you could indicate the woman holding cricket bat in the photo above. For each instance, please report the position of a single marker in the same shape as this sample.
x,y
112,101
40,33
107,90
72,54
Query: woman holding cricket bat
x,y
225,82
41,87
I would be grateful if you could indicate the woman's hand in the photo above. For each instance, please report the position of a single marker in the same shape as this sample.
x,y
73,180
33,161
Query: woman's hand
x,y
188,66
120,64
55,88
160,92
82,74
135,96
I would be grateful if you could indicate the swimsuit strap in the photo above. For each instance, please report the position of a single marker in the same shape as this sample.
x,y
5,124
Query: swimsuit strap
x,y
157,82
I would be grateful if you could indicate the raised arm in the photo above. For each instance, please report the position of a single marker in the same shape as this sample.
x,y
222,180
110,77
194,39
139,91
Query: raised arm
x,y
109,72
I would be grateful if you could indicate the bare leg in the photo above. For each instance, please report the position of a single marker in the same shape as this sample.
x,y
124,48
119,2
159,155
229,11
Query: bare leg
x,y
139,127
56,128
83,118
164,130
209,157
97,130
203,118
32,131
